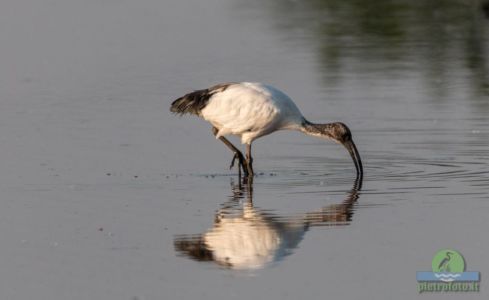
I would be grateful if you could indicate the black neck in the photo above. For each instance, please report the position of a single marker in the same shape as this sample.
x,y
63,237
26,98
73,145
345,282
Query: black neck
x,y
316,129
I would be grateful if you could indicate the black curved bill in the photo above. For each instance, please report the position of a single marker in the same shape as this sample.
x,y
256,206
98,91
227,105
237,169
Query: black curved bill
x,y
352,149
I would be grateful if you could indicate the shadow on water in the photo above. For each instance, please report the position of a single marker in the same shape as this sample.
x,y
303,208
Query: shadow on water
x,y
245,237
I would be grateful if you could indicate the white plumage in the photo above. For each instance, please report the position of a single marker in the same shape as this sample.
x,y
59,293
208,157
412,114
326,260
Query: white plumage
x,y
246,237
252,110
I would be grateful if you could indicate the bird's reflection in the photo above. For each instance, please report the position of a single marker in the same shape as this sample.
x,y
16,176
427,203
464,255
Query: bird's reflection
x,y
246,237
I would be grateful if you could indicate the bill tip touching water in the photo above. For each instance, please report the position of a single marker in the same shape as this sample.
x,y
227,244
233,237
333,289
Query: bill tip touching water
x,y
252,110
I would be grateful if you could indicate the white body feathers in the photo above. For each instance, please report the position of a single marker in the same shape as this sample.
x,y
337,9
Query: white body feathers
x,y
251,110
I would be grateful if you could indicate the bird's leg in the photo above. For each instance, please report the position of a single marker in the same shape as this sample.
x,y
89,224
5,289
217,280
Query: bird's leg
x,y
249,160
237,154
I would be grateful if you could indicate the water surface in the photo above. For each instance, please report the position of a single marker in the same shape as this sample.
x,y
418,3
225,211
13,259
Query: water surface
x,y
106,195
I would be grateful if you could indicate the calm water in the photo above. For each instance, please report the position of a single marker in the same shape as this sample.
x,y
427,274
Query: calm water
x,y
106,195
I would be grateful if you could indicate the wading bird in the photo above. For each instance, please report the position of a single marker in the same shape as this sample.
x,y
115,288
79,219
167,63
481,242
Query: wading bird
x,y
252,110
444,265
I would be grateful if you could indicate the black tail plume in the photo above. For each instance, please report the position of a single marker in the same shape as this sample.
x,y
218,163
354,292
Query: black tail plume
x,y
194,102
191,103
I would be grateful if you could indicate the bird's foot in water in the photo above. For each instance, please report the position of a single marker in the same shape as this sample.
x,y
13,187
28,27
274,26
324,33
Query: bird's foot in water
x,y
249,167
241,161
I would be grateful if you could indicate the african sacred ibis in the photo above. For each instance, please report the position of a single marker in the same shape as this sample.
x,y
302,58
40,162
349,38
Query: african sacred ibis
x,y
252,110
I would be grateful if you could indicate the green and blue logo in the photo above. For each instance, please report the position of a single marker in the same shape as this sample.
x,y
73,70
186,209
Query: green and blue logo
x,y
448,274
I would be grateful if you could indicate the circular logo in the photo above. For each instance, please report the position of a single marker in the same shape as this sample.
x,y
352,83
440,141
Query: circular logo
x,y
448,261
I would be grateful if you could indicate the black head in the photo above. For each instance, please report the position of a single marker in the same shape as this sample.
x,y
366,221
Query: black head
x,y
341,134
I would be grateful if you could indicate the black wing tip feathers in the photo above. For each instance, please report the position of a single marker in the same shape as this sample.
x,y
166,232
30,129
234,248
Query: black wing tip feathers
x,y
177,106
195,101
190,103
